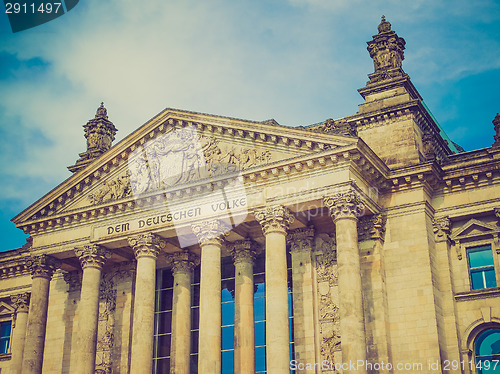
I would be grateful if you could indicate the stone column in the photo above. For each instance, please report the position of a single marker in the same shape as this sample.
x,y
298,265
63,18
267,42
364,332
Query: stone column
x,y
210,236
182,264
301,244
275,222
345,208
42,268
92,259
146,248
20,303
244,253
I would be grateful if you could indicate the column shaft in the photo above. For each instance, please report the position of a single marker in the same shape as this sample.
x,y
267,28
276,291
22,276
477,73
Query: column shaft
x,y
244,336
146,248
143,321
352,329
88,317
277,331
92,259
182,268
42,267
19,333
209,356
275,222
35,330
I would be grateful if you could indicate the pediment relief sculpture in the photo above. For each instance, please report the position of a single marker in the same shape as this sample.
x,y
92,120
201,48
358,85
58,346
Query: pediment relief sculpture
x,y
174,159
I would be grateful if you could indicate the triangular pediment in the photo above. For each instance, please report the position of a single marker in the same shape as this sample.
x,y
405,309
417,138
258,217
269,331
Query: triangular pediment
x,y
5,308
178,147
474,228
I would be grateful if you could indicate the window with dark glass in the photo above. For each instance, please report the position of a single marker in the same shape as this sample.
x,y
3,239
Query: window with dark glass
x,y
163,317
5,330
487,350
481,267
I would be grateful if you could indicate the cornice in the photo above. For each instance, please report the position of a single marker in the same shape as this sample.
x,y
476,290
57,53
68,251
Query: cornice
x,y
14,268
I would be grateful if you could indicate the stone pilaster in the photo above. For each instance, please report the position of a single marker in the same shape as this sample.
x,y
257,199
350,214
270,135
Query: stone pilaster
x,y
210,235
244,253
345,208
182,265
92,259
146,248
42,268
275,222
301,246
20,303
445,303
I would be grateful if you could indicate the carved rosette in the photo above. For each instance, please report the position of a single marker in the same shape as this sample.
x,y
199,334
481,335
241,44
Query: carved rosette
x,y
93,256
146,245
371,227
274,219
211,232
244,251
182,262
344,205
42,266
301,240
20,302
442,228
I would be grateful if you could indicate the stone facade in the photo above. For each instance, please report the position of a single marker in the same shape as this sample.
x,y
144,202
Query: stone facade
x,y
368,225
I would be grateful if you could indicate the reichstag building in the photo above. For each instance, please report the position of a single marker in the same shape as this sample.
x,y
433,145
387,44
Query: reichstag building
x,y
206,244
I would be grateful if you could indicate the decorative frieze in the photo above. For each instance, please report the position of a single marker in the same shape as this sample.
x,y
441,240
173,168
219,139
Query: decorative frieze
x,y
43,265
244,250
183,261
146,245
92,255
210,231
20,302
274,219
344,205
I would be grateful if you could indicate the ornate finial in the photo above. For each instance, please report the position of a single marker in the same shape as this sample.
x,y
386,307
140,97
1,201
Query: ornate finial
x,y
100,133
386,49
102,112
496,123
384,26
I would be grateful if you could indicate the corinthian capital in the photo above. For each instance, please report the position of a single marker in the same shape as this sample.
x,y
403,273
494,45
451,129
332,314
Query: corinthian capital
x,y
92,255
146,245
441,227
301,239
20,302
274,219
42,266
244,251
344,205
183,262
210,232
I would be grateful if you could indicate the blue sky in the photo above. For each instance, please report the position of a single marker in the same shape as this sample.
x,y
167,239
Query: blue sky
x,y
297,61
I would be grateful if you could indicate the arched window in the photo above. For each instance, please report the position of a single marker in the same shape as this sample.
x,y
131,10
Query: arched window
x,y
487,350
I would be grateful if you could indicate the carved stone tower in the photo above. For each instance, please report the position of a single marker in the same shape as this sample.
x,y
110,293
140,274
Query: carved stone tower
x,y
393,120
100,133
